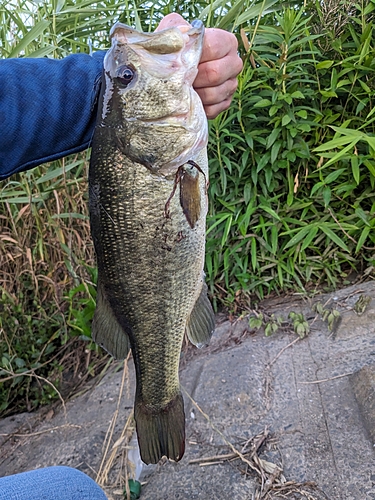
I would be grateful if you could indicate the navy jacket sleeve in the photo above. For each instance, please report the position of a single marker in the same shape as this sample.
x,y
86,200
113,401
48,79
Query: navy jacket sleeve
x,y
47,108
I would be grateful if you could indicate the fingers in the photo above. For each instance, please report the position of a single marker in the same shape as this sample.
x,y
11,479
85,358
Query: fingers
x,y
217,44
214,110
219,61
220,64
217,99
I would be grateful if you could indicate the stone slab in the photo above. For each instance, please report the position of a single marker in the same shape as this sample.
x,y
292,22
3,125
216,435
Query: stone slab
x,y
316,396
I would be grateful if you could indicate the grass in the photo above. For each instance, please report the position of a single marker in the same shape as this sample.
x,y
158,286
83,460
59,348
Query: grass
x,y
292,174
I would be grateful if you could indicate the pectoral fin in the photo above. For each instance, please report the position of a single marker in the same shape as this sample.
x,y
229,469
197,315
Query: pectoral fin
x,y
106,330
201,323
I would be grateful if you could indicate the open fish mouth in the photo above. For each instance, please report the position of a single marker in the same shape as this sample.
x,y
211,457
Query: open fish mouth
x,y
164,54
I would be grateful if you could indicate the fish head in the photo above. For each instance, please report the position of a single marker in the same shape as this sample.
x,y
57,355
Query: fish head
x,y
148,98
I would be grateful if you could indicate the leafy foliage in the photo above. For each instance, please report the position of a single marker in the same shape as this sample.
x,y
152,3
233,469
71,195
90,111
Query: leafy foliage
x,y
292,161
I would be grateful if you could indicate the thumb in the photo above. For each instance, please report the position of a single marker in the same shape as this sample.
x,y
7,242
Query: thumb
x,y
172,20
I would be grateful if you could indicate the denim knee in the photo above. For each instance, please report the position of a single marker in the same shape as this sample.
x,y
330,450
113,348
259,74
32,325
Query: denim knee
x,y
51,483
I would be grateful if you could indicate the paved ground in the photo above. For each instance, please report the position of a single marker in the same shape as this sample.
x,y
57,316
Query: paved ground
x,y
302,412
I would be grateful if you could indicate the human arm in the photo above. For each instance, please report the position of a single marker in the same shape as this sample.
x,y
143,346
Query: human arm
x,y
47,109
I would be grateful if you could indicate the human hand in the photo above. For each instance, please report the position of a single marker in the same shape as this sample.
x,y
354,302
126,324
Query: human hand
x,y
218,68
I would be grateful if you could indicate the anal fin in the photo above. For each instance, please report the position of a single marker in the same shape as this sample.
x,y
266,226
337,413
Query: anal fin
x,y
201,323
161,432
106,330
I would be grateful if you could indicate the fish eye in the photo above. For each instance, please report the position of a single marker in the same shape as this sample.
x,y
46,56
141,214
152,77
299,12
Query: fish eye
x,y
125,75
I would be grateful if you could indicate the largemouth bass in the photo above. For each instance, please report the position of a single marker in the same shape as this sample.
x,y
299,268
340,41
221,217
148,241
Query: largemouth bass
x,y
148,204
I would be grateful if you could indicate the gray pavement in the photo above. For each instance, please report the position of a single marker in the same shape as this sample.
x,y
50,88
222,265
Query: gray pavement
x,y
314,398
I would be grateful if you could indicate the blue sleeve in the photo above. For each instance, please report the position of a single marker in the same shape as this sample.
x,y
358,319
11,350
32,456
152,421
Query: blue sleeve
x,y
47,109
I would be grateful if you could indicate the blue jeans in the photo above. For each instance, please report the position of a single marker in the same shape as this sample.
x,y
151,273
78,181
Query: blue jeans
x,y
52,483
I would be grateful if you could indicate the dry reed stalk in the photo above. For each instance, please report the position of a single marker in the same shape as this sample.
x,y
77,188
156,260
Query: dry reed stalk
x,y
119,446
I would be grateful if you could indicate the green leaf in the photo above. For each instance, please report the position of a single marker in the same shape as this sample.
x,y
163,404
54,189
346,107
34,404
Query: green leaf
x,y
272,137
333,144
286,119
244,222
348,131
263,161
326,195
58,172
370,141
324,64
256,322
302,113
221,218
43,52
334,175
316,188
310,236
298,237
257,10
274,239
371,113
370,166
365,232
304,127
355,168
342,83
227,228
362,215
333,237
273,110
298,95
35,31
262,103
341,153
270,211
254,253
275,151
370,7
70,216
328,93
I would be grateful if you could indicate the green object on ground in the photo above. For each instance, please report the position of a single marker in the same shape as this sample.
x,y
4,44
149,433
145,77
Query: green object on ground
x,y
135,489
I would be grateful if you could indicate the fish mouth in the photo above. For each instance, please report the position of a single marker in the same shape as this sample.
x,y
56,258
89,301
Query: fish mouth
x,y
166,41
163,52
169,54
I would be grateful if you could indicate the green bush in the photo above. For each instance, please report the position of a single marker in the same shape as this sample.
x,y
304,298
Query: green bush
x,y
293,160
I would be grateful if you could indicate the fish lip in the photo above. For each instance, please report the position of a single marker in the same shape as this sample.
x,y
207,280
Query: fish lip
x,y
186,42
197,24
197,28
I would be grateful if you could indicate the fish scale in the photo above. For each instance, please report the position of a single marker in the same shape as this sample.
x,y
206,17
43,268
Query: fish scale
x,y
147,218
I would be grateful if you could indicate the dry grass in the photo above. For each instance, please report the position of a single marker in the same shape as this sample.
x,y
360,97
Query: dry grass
x,y
44,234
45,251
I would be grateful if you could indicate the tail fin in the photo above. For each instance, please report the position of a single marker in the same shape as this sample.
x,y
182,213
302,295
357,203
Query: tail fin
x,y
161,433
